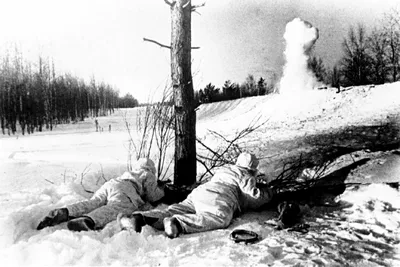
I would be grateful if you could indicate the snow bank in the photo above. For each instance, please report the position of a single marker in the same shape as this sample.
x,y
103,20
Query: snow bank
x,y
297,113
369,214
361,231
375,206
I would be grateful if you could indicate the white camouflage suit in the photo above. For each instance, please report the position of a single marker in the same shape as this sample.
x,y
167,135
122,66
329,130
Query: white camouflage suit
x,y
125,194
212,205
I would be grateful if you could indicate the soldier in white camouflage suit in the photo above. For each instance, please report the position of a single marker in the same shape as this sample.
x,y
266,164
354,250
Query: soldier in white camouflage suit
x,y
210,206
125,194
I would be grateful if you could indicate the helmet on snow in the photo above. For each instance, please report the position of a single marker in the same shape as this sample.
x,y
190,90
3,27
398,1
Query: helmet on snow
x,y
247,161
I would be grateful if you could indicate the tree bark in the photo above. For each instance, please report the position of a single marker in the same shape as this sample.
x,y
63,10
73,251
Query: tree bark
x,y
185,115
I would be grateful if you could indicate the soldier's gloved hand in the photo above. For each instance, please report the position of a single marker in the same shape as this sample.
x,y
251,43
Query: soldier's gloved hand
x,y
54,217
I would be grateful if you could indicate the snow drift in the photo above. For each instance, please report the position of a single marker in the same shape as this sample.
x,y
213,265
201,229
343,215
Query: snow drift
x,y
363,229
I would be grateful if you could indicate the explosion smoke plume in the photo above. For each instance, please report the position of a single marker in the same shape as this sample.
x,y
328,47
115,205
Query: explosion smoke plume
x,y
300,36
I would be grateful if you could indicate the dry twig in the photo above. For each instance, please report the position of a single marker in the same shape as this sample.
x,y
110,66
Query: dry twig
x,y
49,181
155,129
84,172
227,153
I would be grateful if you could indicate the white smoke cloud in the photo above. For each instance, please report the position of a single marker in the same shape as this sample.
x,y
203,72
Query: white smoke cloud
x,y
300,36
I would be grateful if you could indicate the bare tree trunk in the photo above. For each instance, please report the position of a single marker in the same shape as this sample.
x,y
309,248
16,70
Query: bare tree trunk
x,y
185,116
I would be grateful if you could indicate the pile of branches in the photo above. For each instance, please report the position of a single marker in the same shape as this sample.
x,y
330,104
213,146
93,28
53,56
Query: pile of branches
x,y
296,177
314,157
226,152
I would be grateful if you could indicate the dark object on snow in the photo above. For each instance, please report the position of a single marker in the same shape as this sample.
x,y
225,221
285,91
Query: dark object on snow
x,y
394,185
245,236
54,217
83,223
289,214
314,191
301,228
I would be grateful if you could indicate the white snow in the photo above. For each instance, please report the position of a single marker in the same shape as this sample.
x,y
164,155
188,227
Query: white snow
x,y
43,171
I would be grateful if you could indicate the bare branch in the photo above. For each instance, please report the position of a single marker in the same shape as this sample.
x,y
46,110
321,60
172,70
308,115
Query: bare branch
x,y
171,4
226,153
154,129
131,142
152,41
49,181
204,145
84,172
195,11
102,175
208,171
163,45
194,7
185,5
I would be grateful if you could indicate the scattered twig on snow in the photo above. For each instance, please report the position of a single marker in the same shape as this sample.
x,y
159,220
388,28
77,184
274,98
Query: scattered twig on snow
x,y
84,172
49,181
101,175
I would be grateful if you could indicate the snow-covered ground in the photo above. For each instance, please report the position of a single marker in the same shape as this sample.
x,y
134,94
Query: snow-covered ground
x,y
44,171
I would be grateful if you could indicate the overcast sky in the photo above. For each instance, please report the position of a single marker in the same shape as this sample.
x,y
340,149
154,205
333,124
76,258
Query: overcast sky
x,y
237,37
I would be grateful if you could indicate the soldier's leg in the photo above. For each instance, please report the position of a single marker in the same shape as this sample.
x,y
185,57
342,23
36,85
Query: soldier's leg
x,y
184,207
205,221
98,199
154,217
83,207
99,217
109,212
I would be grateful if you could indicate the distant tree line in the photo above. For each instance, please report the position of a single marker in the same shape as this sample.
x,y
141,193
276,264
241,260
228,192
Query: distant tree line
x,y
37,98
231,90
368,57
128,101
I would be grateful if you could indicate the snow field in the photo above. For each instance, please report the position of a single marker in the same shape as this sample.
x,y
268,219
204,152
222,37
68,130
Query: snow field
x,y
43,171
370,215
